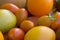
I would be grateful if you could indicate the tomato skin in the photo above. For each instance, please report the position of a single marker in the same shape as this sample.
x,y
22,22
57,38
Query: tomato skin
x,y
56,24
26,25
10,7
1,36
16,34
40,33
39,7
44,21
21,15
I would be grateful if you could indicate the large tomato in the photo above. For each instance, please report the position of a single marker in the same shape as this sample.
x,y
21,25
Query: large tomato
x,y
40,33
39,7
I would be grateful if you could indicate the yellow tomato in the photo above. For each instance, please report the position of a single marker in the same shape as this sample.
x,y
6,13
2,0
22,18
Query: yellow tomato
x,y
1,36
40,33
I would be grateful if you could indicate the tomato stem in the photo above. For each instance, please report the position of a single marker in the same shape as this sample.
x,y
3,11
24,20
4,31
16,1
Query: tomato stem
x,y
51,17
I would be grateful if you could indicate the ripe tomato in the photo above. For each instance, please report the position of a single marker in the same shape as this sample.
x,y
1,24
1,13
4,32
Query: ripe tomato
x,y
26,25
1,36
16,34
40,33
21,15
39,7
56,24
10,7
45,21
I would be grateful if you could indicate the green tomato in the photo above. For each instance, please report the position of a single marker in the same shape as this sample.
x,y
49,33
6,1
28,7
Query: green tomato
x,y
7,20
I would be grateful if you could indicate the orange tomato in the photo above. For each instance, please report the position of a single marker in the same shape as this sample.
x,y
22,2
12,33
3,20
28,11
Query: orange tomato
x,y
26,25
1,36
39,7
56,24
44,21
10,7
16,34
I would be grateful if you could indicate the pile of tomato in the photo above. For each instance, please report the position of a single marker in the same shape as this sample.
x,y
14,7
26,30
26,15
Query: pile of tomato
x,y
38,20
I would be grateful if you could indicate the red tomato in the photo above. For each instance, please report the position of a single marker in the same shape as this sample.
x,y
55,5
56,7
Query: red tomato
x,y
16,34
21,15
56,24
10,7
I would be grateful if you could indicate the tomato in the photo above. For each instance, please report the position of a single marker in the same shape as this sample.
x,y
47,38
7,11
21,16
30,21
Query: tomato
x,y
45,21
26,25
21,15
19,3
40,33
56,24
1,36
13,8
7,20
39,7
16,34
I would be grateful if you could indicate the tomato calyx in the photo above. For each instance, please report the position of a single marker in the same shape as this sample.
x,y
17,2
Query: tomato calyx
x,y
51,17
